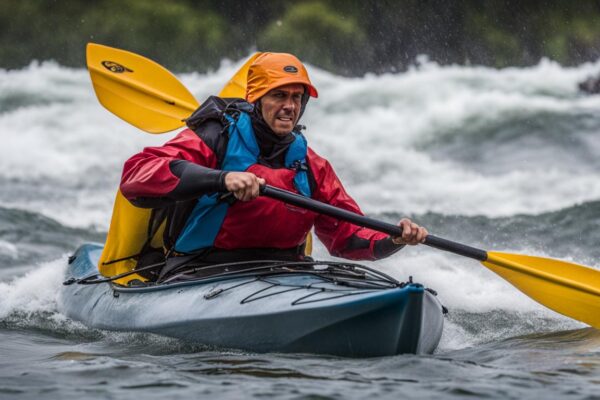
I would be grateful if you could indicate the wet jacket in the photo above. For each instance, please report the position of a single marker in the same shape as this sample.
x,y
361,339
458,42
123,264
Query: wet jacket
x,y
175,175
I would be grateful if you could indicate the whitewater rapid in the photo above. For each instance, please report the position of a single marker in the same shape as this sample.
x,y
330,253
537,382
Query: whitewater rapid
x,y
385,135
436,143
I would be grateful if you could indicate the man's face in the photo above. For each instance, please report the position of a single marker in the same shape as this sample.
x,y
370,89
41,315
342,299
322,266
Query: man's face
x,y
281,108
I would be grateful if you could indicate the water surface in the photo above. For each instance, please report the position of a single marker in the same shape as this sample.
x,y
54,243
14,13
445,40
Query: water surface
x,y
500,159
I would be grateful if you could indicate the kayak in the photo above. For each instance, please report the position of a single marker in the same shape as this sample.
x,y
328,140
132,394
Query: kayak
x,y
335,308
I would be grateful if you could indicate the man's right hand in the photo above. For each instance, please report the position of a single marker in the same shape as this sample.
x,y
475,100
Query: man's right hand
x,y
244,185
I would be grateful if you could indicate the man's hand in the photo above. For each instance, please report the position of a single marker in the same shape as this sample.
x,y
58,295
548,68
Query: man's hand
x,y
411,233
244,185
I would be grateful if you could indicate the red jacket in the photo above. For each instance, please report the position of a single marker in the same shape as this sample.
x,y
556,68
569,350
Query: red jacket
x,y
262,222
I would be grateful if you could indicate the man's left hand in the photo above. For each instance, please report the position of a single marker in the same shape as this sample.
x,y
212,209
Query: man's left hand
x,y
412,233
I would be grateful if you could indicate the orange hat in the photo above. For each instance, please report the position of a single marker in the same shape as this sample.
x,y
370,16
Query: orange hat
x,y
272,70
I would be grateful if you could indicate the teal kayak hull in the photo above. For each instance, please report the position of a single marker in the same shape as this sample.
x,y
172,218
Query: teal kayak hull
x,y
285,312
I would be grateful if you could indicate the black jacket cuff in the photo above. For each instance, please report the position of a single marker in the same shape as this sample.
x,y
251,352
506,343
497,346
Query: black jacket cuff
x,y
386,247
195,180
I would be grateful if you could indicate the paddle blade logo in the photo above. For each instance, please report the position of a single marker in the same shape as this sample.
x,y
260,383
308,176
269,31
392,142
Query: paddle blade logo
x,y
115,67
291,69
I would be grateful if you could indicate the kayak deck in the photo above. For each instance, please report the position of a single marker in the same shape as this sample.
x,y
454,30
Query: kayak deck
x,y
327,309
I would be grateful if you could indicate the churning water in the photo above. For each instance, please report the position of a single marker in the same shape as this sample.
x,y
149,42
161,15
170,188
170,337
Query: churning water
x,y
504,160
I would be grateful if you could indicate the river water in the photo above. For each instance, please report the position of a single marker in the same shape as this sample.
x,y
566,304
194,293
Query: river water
x,y
505,160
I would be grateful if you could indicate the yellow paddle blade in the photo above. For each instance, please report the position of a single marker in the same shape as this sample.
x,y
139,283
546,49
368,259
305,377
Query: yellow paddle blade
x,y
236,87
138,90
567,288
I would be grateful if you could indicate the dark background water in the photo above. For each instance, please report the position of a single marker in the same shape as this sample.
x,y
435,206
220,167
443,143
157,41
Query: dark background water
x,y
501,159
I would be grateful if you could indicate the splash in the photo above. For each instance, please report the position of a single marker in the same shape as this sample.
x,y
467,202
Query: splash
x,y
33,293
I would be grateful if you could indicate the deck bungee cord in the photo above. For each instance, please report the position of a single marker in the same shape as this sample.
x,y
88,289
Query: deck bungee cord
x,y
340,273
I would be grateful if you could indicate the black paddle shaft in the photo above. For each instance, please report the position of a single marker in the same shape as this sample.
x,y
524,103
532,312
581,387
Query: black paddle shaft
x,y
360,220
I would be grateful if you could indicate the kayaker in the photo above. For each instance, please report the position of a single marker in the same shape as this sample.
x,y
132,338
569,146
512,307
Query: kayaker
x,y
236,145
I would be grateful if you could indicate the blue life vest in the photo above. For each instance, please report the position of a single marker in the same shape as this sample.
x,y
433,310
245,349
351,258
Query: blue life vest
x,y
208,215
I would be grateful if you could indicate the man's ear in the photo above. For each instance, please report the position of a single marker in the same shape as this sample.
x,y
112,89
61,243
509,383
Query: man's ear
x,y
305,98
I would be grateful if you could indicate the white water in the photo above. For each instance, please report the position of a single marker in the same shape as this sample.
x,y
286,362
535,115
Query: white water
x,y
372,130
61,156
35,292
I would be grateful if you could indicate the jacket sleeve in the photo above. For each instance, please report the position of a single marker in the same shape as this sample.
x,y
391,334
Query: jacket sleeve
x,y
181,169
344,239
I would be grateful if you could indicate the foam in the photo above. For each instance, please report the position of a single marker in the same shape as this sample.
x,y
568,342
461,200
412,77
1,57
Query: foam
x,y
374,129
34,292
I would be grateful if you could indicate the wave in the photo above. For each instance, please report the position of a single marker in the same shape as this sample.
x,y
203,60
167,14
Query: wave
x,y
28,238
452,140
570,233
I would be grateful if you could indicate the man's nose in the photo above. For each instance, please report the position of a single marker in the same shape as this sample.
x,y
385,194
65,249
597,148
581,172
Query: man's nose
x,y
289,103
